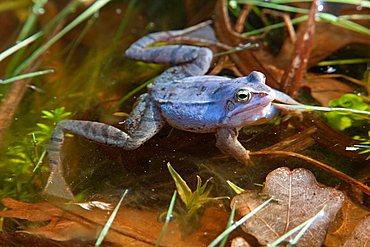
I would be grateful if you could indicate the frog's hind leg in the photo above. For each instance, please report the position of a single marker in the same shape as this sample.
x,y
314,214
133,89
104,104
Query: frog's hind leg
x,y
145,121
190,60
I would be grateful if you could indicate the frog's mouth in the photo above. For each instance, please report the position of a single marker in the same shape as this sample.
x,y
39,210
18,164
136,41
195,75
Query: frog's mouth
x,y
253,109
257,111
263,101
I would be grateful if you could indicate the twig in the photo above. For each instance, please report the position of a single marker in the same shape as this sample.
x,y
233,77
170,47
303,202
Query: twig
x,y
320,165
239,25
293,76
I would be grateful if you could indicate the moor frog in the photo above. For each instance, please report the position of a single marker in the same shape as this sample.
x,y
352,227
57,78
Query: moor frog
x,y
181,96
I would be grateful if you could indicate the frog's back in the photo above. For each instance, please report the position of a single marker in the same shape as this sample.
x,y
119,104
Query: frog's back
x,y
189,89
193,103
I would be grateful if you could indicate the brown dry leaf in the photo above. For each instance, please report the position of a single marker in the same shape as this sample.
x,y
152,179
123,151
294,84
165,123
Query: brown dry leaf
x,y
298,198
348,217
239,242
131,227
325,89
361,235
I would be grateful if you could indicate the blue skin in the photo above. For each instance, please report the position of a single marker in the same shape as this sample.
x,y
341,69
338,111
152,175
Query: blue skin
x,y
181,96
204,104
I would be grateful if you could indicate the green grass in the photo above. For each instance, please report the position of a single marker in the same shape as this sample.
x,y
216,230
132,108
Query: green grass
x,y
343,61
238,223
82,17
27,75
324,109
21,170
229,223
302,228
321,16
167,219
19,46
109,223
193,200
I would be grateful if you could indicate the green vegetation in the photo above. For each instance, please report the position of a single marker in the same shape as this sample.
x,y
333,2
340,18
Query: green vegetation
x,y
344,120
341,21
193,201
239,223
167,219
364,146
22,171
108,224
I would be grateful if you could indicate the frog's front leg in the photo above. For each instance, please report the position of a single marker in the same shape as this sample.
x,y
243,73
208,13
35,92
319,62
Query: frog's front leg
x,y
227,142
144,122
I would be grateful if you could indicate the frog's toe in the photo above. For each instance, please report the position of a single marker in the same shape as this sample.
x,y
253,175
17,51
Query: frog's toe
x,y
58,187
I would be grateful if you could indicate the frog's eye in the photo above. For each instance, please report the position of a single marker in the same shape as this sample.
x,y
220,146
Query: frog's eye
x,y
243,96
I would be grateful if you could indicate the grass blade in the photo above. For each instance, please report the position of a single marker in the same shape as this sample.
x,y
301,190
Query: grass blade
x,y
344,61
330,18
106,227
235,187
26,30
71,7
322,108
134,91
274,26
302,227
229,223
87,13
238,223
19,45
343,23
168,218
30,23
27,75
274,6
360,3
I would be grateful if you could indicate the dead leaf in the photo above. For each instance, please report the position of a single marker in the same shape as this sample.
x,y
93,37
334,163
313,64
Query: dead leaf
x,y
343,227
239,242
131,227
360,235
324,89
298,198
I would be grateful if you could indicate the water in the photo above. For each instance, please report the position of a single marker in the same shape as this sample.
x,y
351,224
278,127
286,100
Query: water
x,y
91,78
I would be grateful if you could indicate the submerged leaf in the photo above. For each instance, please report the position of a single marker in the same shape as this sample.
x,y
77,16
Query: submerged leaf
x,y
181,186
343,229
299,197
360,235
132,227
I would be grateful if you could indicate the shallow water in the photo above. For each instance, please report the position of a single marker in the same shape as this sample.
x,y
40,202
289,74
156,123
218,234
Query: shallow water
x,y
91,81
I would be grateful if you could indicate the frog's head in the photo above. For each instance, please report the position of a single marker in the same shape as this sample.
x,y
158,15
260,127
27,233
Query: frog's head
x,y
249,101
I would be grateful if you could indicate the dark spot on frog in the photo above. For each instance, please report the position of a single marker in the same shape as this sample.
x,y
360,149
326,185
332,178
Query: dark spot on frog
x,y
190,55
204,88
230,105
174,55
